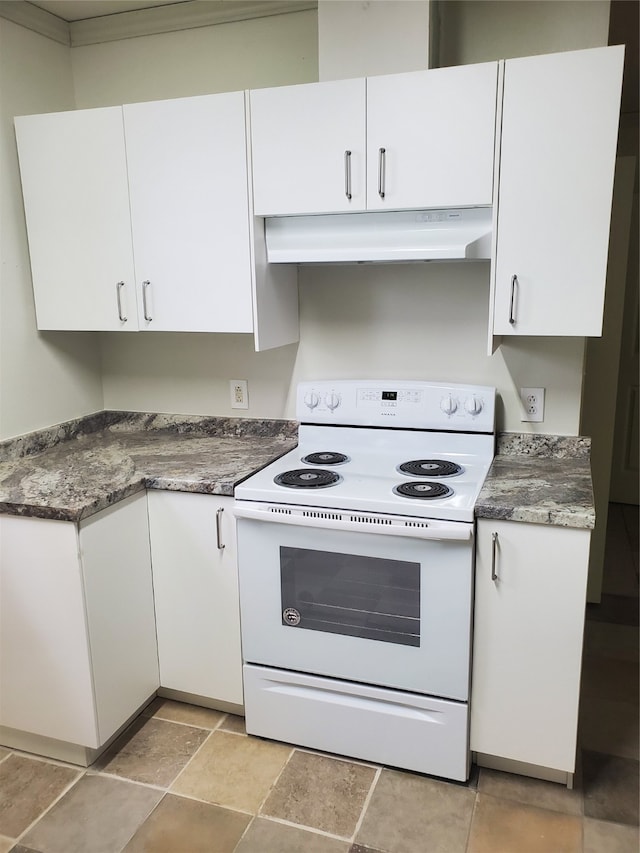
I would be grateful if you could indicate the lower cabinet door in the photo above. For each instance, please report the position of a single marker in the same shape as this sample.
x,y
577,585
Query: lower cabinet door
x,y
196,594
116,563
527,651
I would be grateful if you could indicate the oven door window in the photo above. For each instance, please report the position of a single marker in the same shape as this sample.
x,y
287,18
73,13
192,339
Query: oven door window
x,y
359,596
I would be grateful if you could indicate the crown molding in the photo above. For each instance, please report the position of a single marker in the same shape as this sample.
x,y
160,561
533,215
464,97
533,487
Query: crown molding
x,y
33,18
145,22
178,16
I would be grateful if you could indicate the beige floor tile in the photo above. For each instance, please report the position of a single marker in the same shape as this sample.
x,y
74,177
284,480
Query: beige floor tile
x,y
98,815
321,792
179,824
603,837
501,826
152,751
409,813
233,771
234,723
4,752
267,836
609,727
180,712
6,844
28,787
530,792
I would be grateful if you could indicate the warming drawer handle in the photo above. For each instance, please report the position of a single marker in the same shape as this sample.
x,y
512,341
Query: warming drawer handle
x,y
122,317
145,307
494,556
512,300
219,528
382,171
347,174
457,532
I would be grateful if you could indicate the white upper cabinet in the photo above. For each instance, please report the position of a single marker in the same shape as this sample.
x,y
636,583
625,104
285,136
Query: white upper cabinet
x,y
559,133
189,213
74,182
308,148
414,140
138,219
430,138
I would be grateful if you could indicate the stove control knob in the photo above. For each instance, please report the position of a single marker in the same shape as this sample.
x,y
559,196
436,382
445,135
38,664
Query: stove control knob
x,y
332,400
448,404
311,400
473,405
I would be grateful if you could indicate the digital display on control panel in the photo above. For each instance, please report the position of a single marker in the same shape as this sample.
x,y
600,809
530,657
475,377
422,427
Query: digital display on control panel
x,y
389,395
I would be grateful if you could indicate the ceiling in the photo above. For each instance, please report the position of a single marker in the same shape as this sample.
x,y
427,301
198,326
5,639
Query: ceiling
x,y
80,10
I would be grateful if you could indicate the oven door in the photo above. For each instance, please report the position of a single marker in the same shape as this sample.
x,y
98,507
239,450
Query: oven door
x,y
351,597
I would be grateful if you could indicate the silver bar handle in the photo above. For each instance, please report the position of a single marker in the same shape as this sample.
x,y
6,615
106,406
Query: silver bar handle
x,y
219,528
512,301
494,556
122,317
347,174
382,171
145,309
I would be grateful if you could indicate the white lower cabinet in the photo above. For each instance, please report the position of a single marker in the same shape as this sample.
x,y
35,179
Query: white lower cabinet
x,y
195,580
77,631
528,630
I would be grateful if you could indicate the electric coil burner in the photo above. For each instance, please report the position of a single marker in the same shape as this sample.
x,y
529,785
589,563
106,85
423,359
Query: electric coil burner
x,y
304,478
356,573
423,490
325,458
430,468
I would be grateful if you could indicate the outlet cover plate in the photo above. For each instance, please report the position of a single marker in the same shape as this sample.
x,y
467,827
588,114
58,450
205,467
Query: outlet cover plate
x,y
532,400
239,391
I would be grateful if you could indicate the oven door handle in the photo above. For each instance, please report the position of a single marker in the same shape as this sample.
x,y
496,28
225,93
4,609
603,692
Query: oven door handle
x,y
412,528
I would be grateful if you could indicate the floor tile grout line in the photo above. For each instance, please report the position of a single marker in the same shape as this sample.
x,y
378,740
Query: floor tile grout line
x,y
473,814
292,751
63,793
306,827
365,805
179,774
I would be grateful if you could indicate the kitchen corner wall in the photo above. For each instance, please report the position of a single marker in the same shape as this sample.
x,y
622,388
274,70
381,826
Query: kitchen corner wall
x,y
425,321
44,378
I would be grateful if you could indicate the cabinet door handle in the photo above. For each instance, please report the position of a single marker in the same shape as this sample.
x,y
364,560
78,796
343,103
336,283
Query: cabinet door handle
x,y
347,174
122,317
494,556
219,528
145,307
382,171
512,300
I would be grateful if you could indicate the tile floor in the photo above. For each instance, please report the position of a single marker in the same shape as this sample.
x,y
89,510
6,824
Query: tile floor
x,y
184,779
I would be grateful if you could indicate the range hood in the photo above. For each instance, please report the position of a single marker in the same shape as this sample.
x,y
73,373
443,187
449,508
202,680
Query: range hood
x,y
385,236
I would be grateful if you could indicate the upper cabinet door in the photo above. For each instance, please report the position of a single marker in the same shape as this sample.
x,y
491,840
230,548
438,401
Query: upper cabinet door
x,y
74,180
430,138
187,162
308,148
559,133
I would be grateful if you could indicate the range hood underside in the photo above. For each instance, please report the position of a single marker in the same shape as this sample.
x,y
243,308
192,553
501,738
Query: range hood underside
x,y
406,235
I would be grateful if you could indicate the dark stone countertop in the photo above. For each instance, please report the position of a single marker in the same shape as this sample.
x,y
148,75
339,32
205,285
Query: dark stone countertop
x,y
74,470
542,479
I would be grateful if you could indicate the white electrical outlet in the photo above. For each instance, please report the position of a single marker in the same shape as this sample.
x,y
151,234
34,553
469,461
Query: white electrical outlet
x,y
532,404
239,389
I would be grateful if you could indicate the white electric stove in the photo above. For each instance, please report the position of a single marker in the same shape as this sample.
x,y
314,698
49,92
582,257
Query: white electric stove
x,y
355,555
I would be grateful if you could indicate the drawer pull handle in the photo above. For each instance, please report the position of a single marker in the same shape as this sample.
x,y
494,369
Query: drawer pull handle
x,y
494,556
382,171
512,300
219,528
145,307
347,174
122,317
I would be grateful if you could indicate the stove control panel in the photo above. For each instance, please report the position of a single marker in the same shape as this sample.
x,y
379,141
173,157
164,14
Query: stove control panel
x,y
418,405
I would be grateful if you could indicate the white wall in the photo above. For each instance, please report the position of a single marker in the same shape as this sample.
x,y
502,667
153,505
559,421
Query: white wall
x,y
44,378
